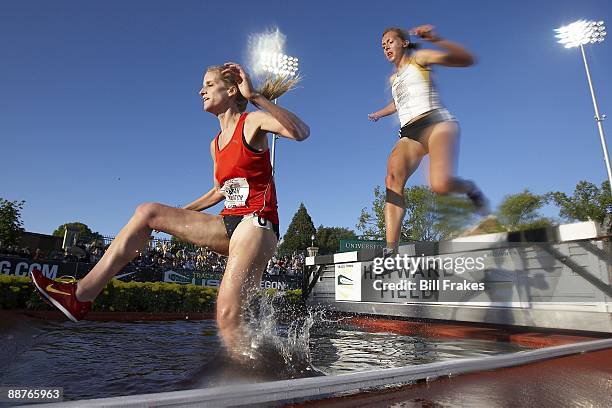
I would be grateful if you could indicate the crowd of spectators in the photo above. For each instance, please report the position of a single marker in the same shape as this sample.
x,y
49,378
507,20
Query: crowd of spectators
x,y
160,254
286,265
79,253
14,250
163,254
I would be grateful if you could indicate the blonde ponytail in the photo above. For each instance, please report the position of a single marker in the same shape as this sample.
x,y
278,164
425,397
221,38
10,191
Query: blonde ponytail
x,y
272,87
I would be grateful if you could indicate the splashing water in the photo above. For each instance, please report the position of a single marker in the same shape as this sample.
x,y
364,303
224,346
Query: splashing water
x,y
272,340
271,41
274,345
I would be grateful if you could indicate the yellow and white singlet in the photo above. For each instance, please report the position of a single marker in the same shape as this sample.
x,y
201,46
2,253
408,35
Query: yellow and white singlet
x,y
413,92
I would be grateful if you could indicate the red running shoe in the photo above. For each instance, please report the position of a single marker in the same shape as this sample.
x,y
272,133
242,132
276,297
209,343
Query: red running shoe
x,y
61,293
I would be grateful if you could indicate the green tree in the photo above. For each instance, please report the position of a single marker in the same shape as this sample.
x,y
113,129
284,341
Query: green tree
x,y
11,225
328,238
371,222
519,211
84,233
429,216
299,232
588,202
453,214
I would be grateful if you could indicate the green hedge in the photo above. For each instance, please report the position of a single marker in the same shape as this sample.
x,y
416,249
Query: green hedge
x,y
117,296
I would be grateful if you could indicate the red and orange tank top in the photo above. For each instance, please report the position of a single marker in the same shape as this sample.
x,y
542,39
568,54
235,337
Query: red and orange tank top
x,y
245,177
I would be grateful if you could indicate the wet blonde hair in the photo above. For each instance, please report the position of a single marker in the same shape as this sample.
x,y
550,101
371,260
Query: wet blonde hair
x,y
272,87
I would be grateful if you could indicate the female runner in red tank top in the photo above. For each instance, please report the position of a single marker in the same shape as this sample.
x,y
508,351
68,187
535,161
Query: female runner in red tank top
x,y
247,228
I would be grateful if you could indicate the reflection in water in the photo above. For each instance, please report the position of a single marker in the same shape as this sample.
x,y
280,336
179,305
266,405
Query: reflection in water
x,y
99,359
103,359
344,349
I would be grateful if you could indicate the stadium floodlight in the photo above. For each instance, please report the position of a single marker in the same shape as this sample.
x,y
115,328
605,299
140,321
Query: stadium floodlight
x,y
279,65
579,34
276,63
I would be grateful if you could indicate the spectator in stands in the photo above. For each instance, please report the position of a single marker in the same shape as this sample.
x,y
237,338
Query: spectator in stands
x,y
68,256
39,255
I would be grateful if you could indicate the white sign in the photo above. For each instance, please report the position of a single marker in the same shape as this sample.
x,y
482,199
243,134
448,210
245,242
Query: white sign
x,y
348,281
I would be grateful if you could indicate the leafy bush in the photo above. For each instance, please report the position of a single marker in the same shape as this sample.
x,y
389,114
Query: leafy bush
x,y
117,296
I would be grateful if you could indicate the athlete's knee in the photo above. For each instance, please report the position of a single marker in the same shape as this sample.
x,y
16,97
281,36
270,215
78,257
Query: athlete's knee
x,y
394,198
394,181
441,185
228,315
394,184
147,212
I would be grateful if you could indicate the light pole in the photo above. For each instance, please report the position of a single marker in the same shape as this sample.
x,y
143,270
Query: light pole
x,y
280,66
578,34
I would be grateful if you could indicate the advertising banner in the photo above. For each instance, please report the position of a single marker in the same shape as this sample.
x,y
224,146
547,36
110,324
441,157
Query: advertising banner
x,y
22,267
348,278
213,279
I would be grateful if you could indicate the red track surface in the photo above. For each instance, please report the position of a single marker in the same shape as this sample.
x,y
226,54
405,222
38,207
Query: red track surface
x,y
524,337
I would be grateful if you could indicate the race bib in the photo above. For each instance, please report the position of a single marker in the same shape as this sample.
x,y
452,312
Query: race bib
x,y
236,192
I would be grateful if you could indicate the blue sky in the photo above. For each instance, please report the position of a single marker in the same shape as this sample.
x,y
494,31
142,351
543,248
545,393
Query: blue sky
x,y
99,108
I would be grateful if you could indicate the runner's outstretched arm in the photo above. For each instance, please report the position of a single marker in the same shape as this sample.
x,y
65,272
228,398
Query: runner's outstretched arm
x,y
455,55
386,111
